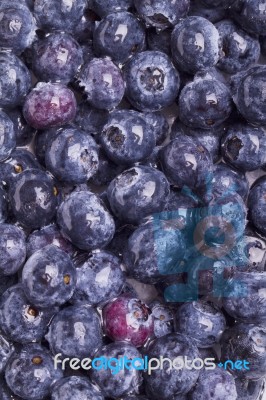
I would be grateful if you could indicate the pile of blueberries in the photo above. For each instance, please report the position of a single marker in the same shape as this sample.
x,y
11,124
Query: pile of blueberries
x,y
128,131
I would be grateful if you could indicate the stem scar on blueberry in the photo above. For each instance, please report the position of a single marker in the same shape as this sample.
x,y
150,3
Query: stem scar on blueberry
x,y
33,312
18,168
37,360
67,279
55,191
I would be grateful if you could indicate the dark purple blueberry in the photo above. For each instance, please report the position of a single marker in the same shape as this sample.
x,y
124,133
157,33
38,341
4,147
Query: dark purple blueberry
x,y
15,80
127,137
49,277
202,321
7,281
12,249
105,7
239,49
41,140
60,15
48,235
49,105
115,382
159,41
127,318
195,44
83,31
119,35
75,387
75,331
204,103
23,132
7,136
163,319
137,192
33,198
257,205
17,28
90,119
20,321
164,383
162,14
95,227
56,57
102,82
30,372
216,384
250,15
152,82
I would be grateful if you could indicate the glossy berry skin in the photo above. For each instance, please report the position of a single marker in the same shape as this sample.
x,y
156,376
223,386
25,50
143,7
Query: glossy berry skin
x,y
128,319
154,250
49,277
18,27
247,89
56,57
249,306
257,205
105,7
24,369
195,44
163,319
162,383
127,137
48,235
186,162
72,156
15,80
116,385
162,15
75,331
20,321
49,105
202,321
119,35
102,82
23,132
250,15
96,226
216,384
6,350
240,50
90,119
137,192
62,16
204,103
152,82
33,198
7,137
12,248
245,342
99,278
244,146
159,41
75,387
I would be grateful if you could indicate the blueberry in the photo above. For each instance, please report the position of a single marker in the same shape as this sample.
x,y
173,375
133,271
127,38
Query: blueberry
x,y
61,16
159,125
33,198
205,11
127,318
245,342
99,278
152,82
6,350
127,137
250,15
41,140
121,236
72,156
12,248
95,227
155,249
137,192
162,14
105,7
186,162
159,41
18,27
163,319
257,205
49,105
119,35
56,57
15,80
116,385
7,136
30,372
215,384
20,321
102,82
248,94
48,235
74,388
75,331
90,119
163,383
84,29
202,321
240,50
23,132
107,170
204,103
248,389
195,44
